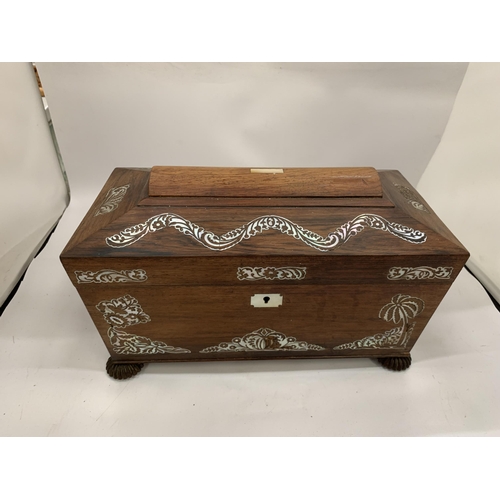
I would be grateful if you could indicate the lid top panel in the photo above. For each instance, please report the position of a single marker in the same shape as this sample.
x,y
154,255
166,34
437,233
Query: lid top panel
x,y
265,182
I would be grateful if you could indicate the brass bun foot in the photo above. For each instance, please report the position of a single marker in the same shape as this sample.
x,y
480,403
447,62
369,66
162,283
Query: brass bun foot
x,y
396,363
122,371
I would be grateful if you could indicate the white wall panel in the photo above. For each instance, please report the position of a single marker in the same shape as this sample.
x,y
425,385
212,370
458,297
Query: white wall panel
x,y
33,192
462,181
386,115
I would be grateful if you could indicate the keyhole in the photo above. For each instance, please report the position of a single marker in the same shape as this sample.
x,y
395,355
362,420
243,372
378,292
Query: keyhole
x,y
266,299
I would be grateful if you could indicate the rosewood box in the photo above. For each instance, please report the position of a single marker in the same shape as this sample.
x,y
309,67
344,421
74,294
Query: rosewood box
x,y
205,264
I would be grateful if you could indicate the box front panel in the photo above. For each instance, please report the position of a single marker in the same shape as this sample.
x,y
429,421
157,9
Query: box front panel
x,y
193,323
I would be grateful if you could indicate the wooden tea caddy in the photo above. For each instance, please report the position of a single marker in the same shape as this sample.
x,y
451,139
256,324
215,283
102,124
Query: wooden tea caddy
x,y
209,264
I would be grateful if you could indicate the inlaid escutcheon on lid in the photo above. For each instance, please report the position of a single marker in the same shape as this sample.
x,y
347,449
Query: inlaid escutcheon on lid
x,y
325,182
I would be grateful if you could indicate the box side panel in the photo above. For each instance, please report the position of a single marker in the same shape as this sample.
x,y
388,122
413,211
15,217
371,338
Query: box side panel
x,y
407,198
122,191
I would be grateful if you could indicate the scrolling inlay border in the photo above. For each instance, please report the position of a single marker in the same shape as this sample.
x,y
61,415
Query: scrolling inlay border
x,y
271,273
212,241
420,272
111,276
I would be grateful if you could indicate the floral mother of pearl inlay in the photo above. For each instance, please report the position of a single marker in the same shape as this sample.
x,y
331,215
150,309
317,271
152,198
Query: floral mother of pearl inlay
x,y
111,276
421,273
411,197
400,310
271,273
113,198
263,339
124,312
212,241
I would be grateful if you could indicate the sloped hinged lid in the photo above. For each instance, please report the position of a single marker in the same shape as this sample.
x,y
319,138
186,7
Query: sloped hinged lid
x,y
201,226
265,182
205,212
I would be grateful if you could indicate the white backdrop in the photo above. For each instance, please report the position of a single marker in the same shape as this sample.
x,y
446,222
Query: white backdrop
x,y
33,192
462,181
385,115
109,115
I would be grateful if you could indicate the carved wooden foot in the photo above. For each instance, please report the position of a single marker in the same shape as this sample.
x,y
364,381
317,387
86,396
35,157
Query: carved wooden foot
x,y
122,371
396,363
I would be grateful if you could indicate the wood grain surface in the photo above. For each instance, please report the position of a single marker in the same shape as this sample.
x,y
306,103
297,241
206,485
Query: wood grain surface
x,y
327,270
227,201
168,241
242,182
199,317
195,297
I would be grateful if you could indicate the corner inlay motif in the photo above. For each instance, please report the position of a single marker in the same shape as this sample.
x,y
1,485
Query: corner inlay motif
x,y
400,311
411,197
113,198
335,239
124,312
263,339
